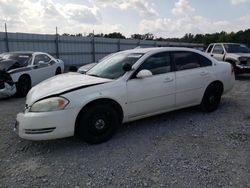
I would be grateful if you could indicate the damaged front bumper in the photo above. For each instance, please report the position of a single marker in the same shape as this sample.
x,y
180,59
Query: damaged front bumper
x,y
7,90
243,68
7,86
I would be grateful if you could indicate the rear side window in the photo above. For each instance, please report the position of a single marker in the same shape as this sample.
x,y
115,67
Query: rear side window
x,y
210,48
158,64
189,60
204,61
185,60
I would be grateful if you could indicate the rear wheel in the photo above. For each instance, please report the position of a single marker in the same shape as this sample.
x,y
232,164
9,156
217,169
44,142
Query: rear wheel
x,y
211,98
23,86
97,123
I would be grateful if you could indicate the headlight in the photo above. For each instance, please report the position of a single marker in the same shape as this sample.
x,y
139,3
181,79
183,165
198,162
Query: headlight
x,y
49,104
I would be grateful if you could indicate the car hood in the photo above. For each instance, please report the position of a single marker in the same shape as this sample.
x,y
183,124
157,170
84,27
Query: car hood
x,y
60,84
6,65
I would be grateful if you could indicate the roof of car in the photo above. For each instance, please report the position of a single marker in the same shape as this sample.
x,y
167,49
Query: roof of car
x,y
156,49
26,52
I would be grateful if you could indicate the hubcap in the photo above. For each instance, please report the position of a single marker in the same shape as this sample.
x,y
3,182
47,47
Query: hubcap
x,y
100,124
212,99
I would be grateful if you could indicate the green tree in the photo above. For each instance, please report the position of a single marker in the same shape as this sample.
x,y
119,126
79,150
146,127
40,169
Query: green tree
x,y
114,35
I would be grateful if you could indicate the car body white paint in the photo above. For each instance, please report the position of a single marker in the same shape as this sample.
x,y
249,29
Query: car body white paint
x,y
38,75
138,98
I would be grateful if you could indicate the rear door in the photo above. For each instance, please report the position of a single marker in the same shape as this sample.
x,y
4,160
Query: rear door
x,y
152,94
193,74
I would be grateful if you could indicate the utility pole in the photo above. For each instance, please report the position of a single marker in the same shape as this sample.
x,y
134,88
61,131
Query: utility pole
x,y
57,44
6,38
93,47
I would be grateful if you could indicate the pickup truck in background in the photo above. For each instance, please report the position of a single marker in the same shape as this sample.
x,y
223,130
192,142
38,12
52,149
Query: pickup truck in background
x,y
236,54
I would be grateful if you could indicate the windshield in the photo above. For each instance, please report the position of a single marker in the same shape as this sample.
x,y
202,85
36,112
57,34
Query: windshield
x,y
236,48
20,58
112,67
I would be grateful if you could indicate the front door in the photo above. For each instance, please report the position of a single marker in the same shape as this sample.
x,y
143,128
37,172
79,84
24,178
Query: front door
x,y
155,93
218,52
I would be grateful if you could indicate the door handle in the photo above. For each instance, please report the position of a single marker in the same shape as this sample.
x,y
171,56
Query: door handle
x,y
204,73
168,79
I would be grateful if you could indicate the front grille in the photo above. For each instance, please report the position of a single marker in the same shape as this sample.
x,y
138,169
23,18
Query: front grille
x,y
243,62
246,61
39,131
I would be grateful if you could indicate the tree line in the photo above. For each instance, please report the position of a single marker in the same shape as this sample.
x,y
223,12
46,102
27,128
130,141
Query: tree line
x,y
237,37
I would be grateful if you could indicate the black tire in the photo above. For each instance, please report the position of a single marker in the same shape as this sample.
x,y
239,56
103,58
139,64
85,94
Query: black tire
x,y
211,98
23,86
58,71
97,123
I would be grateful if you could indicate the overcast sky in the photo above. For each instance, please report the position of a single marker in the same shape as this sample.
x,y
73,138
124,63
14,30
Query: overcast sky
x,y
163,18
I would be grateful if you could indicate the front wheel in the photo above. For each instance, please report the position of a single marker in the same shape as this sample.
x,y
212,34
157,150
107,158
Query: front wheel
x,y
23,86
211,98
97,124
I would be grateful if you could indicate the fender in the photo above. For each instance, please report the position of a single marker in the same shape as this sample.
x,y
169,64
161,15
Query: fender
x,y
230,60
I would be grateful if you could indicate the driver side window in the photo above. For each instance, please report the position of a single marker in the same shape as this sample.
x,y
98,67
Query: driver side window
x,y
41,57
218,49
158,64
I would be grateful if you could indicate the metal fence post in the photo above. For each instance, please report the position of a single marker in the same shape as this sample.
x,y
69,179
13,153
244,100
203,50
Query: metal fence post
x,y
57,44
6,38
119,45
93,48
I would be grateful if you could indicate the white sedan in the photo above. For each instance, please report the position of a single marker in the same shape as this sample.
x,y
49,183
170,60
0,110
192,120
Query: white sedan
x,y
19,71
126,86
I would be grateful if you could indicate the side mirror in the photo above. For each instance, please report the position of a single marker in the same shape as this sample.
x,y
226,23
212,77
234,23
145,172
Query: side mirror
x,y
144,74
127,67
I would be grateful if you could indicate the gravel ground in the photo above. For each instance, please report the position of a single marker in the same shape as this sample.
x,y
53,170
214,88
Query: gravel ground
x,y
185,148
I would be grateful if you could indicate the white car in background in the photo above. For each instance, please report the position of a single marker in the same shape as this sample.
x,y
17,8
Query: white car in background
x,y
236,54
83,69
126,86
19,71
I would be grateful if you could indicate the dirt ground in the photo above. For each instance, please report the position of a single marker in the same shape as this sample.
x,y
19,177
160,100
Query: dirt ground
x,y
185,148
